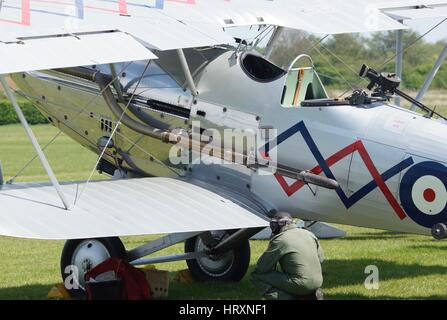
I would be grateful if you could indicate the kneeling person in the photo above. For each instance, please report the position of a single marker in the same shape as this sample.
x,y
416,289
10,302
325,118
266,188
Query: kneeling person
x,y
299,256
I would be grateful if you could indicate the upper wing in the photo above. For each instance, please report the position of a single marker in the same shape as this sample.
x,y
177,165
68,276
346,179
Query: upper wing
x,y
70,51
146,20
409,10
34,32
120,208
318,16
170,24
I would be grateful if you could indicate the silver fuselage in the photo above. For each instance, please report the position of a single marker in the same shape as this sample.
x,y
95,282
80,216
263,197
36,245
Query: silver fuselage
x,y
368,149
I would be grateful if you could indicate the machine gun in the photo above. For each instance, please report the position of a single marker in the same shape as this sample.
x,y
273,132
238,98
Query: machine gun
x,y
385,85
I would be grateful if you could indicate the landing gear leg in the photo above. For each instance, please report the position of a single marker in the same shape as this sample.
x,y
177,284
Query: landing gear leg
x,y
225,254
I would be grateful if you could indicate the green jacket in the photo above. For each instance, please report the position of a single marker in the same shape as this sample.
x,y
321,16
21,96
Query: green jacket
x,y
298,253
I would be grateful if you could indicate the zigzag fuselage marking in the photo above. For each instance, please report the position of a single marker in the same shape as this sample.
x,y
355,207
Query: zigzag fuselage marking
x,y
325,164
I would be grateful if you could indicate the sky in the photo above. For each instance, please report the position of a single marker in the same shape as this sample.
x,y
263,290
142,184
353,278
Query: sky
x,y
423,25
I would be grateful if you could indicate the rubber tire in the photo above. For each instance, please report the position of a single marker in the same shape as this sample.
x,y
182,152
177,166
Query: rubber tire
x,y
114,246
234,274
439,231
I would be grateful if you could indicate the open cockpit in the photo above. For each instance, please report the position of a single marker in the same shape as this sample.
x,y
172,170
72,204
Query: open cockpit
x,y
302,83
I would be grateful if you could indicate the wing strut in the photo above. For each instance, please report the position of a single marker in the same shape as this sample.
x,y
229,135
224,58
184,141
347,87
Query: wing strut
x,y
273,41
1,169
399,57
34,141
431,76
187,72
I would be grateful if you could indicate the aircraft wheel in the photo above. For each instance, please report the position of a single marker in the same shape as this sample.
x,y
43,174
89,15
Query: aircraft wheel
x,y
80,256
228,267
439,231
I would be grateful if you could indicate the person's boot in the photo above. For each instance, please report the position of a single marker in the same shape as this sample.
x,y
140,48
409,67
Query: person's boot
x,y
319,294
316,295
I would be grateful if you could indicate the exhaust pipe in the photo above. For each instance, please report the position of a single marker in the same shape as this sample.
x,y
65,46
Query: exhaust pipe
x,y
307,177
104,82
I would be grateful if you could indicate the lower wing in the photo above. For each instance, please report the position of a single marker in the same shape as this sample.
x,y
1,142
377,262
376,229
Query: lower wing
x,y
119,208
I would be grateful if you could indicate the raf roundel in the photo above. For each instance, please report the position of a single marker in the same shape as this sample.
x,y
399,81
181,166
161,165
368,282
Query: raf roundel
x,y
423,193
429,195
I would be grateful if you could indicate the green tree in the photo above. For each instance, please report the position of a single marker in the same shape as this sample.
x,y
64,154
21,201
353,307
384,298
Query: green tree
x,y
339,57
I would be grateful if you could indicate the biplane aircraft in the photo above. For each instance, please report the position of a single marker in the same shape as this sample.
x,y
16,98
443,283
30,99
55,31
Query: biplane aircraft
x,y
156,88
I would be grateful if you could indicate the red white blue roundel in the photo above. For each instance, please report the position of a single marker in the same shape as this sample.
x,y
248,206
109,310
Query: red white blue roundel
x,y
423,193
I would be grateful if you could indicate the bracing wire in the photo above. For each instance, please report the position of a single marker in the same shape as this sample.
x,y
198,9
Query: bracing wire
x,y
412,44
314,46
335,69
393,57
384,63
271,31
11,180
118,123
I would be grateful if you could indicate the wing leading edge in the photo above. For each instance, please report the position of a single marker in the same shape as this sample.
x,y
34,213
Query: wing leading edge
x,y
38,34
70,51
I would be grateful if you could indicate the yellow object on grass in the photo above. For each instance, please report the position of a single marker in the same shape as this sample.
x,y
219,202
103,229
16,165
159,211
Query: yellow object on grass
x,y
184,276
59,292
158,281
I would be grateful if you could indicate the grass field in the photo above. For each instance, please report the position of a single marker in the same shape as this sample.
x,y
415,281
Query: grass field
x,y
410,267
